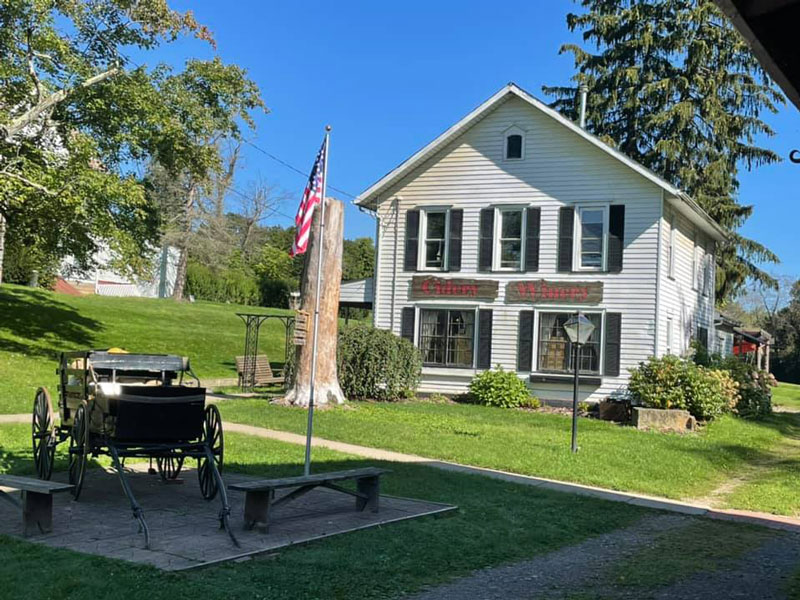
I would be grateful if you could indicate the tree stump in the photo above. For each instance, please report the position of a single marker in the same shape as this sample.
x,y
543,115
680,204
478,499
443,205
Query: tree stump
x,y
326,389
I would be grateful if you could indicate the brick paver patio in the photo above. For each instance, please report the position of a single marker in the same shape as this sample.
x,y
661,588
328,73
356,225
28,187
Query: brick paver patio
x,y
184,528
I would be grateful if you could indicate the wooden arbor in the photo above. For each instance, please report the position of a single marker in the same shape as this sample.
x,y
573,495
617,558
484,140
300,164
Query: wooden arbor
x,y
252,322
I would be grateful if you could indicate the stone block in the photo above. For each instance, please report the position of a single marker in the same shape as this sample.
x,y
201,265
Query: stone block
x,y
663,420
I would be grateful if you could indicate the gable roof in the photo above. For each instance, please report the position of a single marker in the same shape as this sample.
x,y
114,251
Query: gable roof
x,y
368,198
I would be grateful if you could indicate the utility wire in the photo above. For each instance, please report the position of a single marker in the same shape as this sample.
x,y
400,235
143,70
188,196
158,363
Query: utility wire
x,y
295,169
273,211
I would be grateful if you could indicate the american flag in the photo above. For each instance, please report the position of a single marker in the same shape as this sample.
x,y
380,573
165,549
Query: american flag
x,y
312,196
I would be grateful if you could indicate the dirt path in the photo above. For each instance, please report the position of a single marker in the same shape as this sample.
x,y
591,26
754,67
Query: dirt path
x,y
606,567
571,569
786,452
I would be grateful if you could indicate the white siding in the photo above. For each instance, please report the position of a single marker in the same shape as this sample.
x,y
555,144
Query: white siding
x,y
679,299
559,168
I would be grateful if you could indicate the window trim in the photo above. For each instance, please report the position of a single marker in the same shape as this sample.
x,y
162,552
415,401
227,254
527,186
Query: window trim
x,y
449,307
708,272
496,237
423,238
513,130
673,235
576,238
670,341
569,311
695,261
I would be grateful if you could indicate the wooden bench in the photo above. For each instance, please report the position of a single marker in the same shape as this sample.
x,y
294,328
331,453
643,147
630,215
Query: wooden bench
x,y
37,501
260,495
264,374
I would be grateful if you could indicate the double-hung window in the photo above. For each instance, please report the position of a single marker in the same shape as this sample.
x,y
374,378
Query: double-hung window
x,y
672,241
434,236
509,236
447,337
708,272
555,351
592,230
697,282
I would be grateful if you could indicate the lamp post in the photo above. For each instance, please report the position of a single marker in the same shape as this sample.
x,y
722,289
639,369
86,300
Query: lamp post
x,y
579,329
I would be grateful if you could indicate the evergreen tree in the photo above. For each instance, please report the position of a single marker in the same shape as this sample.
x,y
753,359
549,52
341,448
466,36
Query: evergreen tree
x,y
674,86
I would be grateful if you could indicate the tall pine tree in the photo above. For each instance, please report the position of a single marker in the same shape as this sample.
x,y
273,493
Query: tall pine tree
x,y
674,86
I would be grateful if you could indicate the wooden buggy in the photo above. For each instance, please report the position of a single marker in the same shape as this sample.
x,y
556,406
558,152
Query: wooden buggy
x,y
131,405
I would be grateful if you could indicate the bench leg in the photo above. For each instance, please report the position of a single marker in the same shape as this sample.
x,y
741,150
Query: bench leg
x,y
37,513
370,487
256,510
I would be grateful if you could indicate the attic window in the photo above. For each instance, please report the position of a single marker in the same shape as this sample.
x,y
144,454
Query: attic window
x,y
513,146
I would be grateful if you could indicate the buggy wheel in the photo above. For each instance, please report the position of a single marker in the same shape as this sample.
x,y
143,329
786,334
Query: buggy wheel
x,y
169,467
44,442
78,448
213,438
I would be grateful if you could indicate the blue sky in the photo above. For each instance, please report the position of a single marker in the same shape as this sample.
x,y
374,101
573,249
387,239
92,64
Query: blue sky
x,y
390,77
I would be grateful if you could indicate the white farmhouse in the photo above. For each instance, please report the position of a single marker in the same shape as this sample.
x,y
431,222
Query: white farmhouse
x,y
492,235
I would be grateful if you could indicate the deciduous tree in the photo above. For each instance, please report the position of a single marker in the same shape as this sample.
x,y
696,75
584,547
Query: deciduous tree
x,y
76,118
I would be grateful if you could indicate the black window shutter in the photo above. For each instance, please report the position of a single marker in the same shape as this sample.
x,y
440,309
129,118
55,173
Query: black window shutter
x,y
613,334
486,240
566,227
407,324
454,251
484,339
616,237
525,341
412,240
534,214
702,335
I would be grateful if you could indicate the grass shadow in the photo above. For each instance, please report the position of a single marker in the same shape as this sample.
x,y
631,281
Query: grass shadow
x,y
45,324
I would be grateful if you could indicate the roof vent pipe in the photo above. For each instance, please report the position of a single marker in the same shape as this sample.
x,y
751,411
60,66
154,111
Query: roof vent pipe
x,y
584,91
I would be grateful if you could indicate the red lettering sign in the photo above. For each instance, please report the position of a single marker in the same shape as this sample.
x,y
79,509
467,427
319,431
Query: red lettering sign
x,y
550,292
437,287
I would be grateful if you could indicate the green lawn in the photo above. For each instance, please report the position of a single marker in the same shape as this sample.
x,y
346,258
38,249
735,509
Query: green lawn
x,y
35,325
671,465
786,395
496,523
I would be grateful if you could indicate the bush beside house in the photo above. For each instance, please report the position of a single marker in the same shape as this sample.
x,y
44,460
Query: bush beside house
x,y
671,382
501,388
706,390
375,364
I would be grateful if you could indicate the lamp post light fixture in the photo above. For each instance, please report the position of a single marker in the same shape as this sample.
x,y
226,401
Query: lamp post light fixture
x,y
579,329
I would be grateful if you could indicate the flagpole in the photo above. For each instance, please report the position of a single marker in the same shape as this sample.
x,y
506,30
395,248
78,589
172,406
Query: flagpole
x,y
310,424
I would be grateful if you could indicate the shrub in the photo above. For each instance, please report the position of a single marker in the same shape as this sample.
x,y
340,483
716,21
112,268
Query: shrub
x,y
755,397
728,385
227,285
275,292
706,397
501,388
672,382
656,383
375,364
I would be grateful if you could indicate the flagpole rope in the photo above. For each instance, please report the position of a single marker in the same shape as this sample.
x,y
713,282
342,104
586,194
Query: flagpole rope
x,y
310,423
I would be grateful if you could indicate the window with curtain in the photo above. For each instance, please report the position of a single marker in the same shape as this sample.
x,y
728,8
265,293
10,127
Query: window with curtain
x,y
555,353
447,337
435,237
